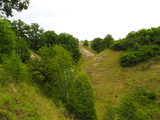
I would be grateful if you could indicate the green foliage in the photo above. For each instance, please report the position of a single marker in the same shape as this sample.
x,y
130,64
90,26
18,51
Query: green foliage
x,y
7,6
131,110
51,37
141,37
19,27
99,44
152,95
96,44
61,73
62,83
7,39
128,59
35,37
110,113
131,58
135,106
81,101
107,41
117,45
14,71
144,97
85,43
22,49
53,63
70,43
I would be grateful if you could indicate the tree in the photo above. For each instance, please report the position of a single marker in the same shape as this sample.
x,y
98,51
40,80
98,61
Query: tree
x,y
51,37
19,27
22,49
85,43
107,41
35,36
62,82
96,44
7,39
7,6
53,63
70,43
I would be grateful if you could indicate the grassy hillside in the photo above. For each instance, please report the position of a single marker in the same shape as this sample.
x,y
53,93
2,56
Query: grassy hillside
x,y
111,81
27,102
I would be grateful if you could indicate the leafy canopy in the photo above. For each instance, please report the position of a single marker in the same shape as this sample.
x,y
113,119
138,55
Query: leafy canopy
x,y
7,6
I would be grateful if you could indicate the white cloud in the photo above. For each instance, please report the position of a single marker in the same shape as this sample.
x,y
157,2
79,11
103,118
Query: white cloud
x,y
88,19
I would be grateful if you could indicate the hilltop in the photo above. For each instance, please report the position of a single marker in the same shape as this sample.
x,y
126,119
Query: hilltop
x,y
111,82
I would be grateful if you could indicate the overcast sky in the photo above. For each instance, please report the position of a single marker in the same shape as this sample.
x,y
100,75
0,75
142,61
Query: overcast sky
x,y
88,19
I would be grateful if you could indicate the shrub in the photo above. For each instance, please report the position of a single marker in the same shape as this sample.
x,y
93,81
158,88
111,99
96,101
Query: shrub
x,y
128,59
152,95
131,110
117,45
14,70
96,44
85,43
81,100
22,49
144,97
131,58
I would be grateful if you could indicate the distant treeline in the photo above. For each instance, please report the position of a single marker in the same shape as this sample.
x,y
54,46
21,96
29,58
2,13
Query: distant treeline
x,y
139,46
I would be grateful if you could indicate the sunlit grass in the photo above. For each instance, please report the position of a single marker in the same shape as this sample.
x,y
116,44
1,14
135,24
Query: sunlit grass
x,y
111,81
26,102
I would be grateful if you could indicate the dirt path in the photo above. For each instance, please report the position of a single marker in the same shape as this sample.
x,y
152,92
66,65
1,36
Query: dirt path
x,y
34,56
85,53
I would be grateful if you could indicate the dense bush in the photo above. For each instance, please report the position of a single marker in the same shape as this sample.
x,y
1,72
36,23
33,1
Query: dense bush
x,y
107,41
7,39
131,58
14,71
22,49
117,45
99,44
81,101
85,43
96,44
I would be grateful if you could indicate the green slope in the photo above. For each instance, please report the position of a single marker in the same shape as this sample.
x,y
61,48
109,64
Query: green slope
x,y
26,102
111,81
